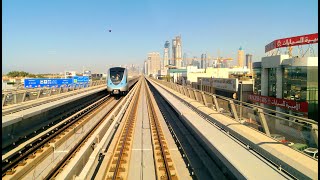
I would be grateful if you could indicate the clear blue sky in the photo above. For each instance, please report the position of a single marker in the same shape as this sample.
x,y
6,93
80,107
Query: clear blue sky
x,y
52,36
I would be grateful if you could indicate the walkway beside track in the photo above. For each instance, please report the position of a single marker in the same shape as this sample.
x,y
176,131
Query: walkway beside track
x,y
243,163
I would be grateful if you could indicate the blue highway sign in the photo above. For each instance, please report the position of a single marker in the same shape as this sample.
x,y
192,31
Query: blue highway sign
x,y
35,83
80,79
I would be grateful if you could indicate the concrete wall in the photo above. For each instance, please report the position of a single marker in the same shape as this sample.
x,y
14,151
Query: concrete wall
x,y
273,61
191,69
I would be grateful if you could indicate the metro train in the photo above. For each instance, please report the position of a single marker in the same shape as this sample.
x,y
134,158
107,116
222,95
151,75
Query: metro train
x,y
117,81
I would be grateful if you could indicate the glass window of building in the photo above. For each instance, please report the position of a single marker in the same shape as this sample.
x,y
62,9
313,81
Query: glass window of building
x,y
272,81
295,83
301,84
257,81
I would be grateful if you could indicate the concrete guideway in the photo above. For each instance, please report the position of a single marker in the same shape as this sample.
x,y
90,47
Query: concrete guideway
x,y
90,152
198,161
285,158
42,100
10,119
42,134
141,163
40,163
118,165
177,157
33,114
23,123
243,163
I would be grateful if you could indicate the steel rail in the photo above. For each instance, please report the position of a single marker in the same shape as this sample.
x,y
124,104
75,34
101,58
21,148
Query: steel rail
x,y
157,126
55,171
129,123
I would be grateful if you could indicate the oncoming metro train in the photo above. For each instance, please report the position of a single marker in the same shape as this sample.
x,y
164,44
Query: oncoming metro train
x,y
117,81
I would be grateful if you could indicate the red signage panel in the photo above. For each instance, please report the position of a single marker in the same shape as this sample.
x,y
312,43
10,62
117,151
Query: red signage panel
x,y
292,41
283,103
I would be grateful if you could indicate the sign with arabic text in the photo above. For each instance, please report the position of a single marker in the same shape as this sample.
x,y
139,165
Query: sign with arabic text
x,y
80,79
292,41
229,84
283,103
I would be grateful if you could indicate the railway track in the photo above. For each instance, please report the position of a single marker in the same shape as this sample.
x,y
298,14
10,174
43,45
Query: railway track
x,y
164,165
34,150
195,155
59,168
118,165
54,119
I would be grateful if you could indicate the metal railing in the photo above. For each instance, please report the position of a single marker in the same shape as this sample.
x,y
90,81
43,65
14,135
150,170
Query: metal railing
x,y
297,132
19,96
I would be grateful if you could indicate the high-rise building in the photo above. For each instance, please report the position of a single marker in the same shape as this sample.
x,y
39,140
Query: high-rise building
x,y
185,60
145,67
178,57
166,55
203,61
240,57
154,64
174,45
176,52
249,61
195,62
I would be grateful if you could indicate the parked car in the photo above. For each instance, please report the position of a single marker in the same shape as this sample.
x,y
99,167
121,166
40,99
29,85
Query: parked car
x,y
313,152
278,137
288,143
299,146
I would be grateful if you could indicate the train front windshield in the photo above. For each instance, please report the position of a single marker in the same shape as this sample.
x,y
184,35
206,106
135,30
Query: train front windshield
x,y
116,75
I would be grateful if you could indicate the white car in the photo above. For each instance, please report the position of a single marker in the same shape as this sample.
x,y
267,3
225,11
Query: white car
x,y
278,137
313,152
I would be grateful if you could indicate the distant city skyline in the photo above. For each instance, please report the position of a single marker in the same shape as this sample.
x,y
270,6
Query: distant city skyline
x,y
54,36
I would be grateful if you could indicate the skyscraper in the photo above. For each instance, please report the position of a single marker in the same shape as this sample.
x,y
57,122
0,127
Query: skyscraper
x,y
154,64
166,55
185,60
178,52
174,45
203,62
249,61
195,62
240,57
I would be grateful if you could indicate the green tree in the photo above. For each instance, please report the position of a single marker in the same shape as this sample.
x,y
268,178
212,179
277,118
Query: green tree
x,y
17,74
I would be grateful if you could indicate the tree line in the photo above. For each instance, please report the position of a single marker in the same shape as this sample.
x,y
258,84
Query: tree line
x,y
23,74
